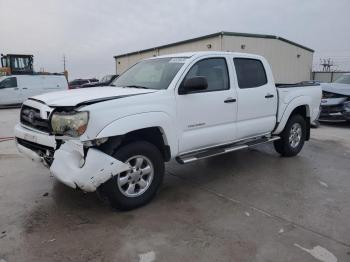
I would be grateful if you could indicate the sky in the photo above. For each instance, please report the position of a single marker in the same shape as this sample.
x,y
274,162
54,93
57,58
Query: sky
x,y
90,32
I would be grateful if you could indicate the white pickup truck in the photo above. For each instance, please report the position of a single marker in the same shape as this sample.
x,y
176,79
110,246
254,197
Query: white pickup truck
x,y
185,107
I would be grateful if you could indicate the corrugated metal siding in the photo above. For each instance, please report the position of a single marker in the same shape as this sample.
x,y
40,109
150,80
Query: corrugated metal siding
x,y
123,63
286,66
200,45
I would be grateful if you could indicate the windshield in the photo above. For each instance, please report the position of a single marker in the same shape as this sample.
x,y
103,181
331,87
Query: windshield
x,y
344,79
152,74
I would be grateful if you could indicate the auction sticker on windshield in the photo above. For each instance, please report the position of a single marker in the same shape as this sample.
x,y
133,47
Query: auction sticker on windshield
x,y
178,60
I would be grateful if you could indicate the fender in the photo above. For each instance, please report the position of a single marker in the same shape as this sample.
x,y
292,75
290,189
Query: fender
x,y
135,122
294,103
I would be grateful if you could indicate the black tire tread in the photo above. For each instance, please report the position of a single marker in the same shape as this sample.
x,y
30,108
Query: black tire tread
x,y
282,145
110,191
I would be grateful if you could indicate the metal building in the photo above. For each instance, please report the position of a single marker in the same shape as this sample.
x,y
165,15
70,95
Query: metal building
x,y
290,62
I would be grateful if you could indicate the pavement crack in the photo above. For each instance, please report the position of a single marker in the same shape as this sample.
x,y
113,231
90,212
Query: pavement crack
x,y
260,210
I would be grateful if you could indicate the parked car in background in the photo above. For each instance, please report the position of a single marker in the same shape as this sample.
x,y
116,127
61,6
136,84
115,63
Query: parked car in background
x,y
186,107
104,81
78,83
14,89
335,103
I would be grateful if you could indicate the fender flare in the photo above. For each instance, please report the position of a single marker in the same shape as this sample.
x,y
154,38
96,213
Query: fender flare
x,y
135,122
293,104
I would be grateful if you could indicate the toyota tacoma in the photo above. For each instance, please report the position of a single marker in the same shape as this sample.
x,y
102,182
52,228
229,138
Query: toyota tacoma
x,y
186,107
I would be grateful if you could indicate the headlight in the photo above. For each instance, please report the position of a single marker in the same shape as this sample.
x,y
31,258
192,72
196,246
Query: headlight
x,y
69,123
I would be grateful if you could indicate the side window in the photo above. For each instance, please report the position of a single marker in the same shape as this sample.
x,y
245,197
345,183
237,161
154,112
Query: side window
x,y
214,70
250,72
9,82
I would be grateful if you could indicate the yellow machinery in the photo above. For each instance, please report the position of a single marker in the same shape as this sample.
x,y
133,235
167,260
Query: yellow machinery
x,y
16,64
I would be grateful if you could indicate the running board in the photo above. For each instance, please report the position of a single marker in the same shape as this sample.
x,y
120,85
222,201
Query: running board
x,y
220,150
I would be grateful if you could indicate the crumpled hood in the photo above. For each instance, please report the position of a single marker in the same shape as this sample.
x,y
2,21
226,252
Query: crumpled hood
x,y
86,96
342,89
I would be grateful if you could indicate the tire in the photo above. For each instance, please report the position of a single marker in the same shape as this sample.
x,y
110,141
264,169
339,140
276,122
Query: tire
x,y
292,137
137,187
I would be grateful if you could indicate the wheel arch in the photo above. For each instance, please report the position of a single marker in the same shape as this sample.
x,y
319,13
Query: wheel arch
x,y
154,127
299,106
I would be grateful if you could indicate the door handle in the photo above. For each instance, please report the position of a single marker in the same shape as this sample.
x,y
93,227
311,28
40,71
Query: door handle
x,y
269,95
230,100
25,88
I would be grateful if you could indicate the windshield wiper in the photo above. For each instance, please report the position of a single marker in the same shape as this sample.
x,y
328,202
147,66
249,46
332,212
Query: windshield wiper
x,y
136,86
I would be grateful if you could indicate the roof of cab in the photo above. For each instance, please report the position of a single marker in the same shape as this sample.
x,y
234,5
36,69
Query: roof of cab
x,y
205,53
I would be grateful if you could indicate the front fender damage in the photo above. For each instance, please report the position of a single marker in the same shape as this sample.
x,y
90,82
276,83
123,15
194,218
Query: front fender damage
x,y
70,168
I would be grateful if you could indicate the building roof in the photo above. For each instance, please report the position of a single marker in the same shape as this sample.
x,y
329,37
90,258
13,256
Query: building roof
x,y
214,35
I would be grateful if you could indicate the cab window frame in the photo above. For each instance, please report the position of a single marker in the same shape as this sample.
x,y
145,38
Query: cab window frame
x,y
207,90
251,59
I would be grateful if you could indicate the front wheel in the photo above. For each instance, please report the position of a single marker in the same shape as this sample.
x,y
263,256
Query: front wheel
x,y
137,186
292,137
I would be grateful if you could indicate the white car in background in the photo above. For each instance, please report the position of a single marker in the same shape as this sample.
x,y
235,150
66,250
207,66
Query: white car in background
x,y
15,89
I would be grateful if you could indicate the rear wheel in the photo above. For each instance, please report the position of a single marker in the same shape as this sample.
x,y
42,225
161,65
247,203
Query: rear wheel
x,y
137,186
292,137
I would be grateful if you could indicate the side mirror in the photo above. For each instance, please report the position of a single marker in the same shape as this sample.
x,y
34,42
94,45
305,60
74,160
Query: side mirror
x,y
194,84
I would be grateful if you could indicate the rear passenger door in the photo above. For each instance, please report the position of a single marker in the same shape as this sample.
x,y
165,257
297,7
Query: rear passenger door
x,y
207,117
257,98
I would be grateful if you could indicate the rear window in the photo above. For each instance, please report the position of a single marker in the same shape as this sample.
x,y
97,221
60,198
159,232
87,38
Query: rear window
x,y
250,72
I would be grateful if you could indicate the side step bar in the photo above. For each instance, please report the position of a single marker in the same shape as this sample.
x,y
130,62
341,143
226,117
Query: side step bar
x,y
201,154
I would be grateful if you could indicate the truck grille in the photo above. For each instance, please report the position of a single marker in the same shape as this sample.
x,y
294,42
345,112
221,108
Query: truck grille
x,y
31,117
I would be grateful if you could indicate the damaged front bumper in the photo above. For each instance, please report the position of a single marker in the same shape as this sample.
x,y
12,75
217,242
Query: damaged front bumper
x,y
71,164
38,146
86,171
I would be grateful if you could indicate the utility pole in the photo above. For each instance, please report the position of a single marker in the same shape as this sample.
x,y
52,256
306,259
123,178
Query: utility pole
x,y
65,72
326,64
64,62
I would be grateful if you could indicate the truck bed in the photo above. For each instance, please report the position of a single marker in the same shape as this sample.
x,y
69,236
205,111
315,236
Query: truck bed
x,y
288,92
305,83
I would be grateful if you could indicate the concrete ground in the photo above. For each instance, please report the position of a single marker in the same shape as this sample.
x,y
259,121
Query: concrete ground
x,y
250,205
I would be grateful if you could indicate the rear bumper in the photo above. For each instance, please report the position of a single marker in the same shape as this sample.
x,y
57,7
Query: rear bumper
x,y
87,173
